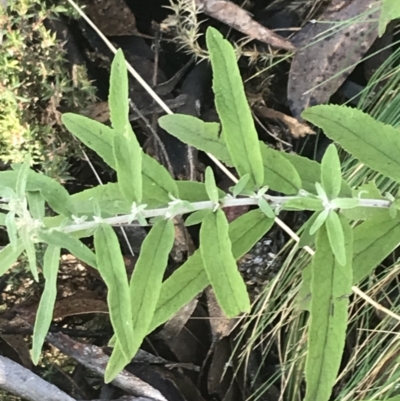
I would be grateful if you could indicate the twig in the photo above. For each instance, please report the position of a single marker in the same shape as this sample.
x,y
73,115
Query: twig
x,y
22,382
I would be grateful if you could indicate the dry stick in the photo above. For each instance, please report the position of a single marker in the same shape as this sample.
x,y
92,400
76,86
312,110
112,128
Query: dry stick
x,y
22,382
278,221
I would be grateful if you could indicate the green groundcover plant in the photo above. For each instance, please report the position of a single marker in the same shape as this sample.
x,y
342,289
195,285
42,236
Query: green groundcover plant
x,y
350,232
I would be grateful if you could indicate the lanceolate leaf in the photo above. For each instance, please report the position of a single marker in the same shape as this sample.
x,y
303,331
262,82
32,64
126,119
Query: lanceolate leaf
x,y
145,288
374,143
118,98
54,193
157,181
211,186
390,11
194,191
336,237
279,172
331,173
9,255
240,134
190,279
30,252
22,178
197,133
220,265
93,134
76,247
330,288
36,205
128,158
112,269
374,240
44,313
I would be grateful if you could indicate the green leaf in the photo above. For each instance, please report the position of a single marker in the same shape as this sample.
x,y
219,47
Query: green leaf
x,y
196,217
374,240
366,191
330,287
305,203
211,186
190,279
266,208
145,289
111,266
93,134
331,172
239,187
55,194
220,265
128,157
157,182
44,313
9,255
239,132
345,203
197,133
12,230
194,191
36,205
22,179
76,247
118,98
279,173
303,297
306,238
30,251
319,221
336,237
374,143
390,11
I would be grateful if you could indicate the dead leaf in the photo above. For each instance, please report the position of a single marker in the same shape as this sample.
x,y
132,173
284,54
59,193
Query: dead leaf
x,y
112,17
329,51
239,19
98,111
297,129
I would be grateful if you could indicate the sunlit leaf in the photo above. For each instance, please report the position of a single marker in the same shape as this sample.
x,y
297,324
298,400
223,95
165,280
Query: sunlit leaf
x,y
111,266
44,313
93,134
9,255
240,134
330,288
238,188
220,265
36,204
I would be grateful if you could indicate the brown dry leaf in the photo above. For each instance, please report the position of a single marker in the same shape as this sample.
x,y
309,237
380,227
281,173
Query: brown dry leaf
x,y
98,111
239,19
79,304
220,325
19,345
112,17
297,129
329,51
